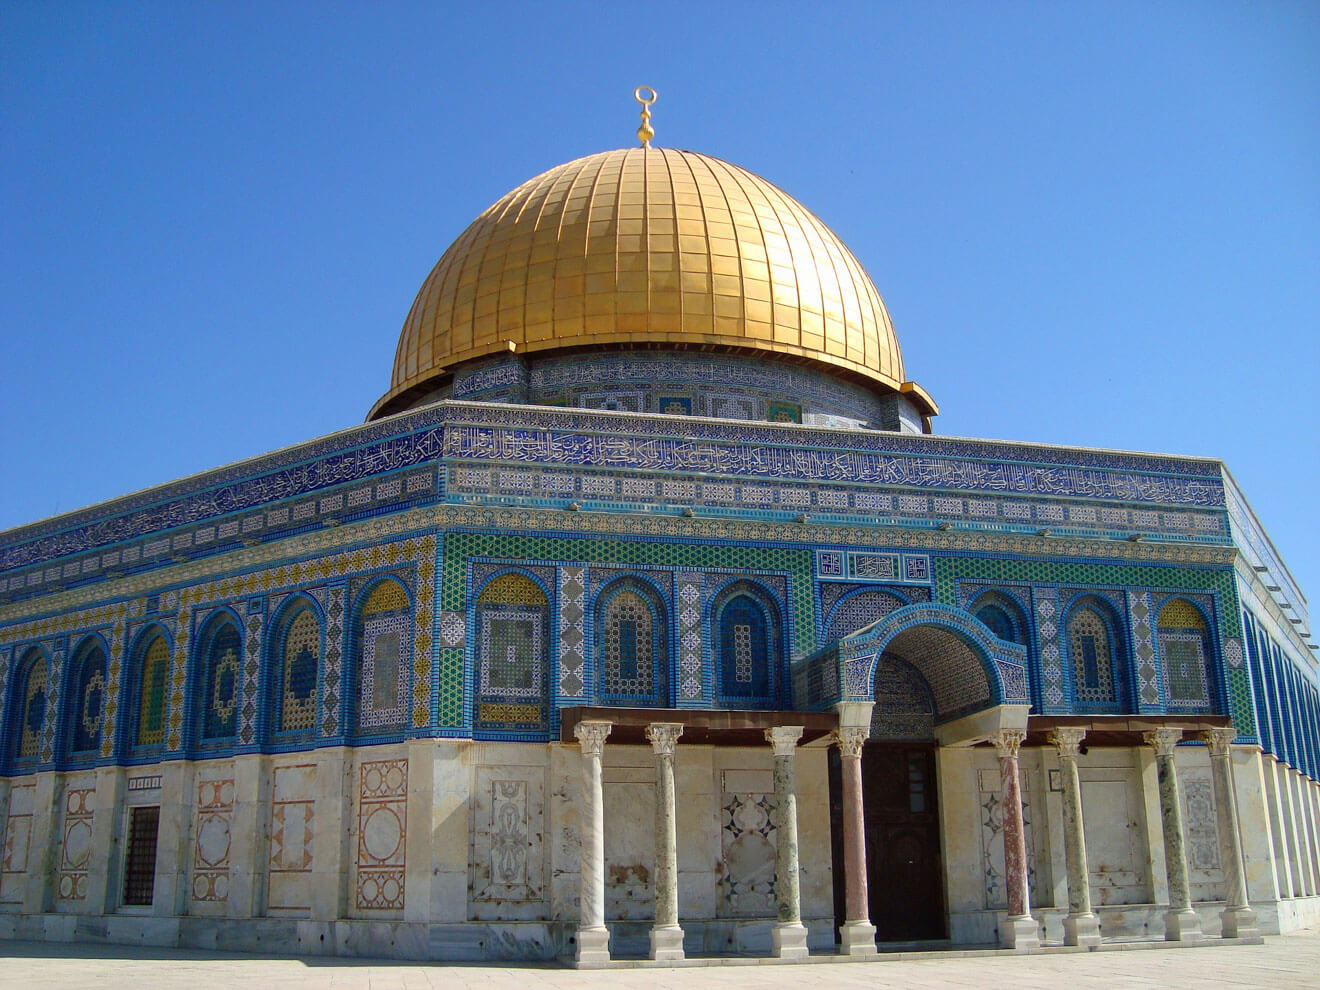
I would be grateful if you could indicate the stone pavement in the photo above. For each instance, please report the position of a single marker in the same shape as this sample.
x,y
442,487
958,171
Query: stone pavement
x,y
1292,961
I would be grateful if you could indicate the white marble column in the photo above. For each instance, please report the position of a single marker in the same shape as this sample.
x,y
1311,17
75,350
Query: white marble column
x,y
666,934
788,938
1239,921
593,938
1019,930
1081,926
1181,923
856,933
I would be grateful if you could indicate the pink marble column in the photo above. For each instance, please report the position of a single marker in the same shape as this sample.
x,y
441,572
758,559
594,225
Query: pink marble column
x,y
856,934
1019,929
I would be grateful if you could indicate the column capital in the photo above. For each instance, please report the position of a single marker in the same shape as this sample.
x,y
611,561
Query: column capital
x,y
784,738
849,739
591,736
1163,740
1067,740
1218,740
663,736
1007,741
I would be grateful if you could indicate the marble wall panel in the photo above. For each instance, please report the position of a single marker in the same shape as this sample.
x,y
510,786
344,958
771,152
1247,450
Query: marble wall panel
x,y
1113,813
76,836
748,843
507,863
381,832
292,828
18,837
989,798
212,838
629,793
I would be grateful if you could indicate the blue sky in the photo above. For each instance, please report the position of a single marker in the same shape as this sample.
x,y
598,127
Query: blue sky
x,y
1093,224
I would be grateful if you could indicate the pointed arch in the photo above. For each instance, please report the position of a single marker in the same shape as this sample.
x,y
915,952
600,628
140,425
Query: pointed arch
x,y
28,707
1003,615
858,610
512,636
1183,633
1093,644
382,655
217,676
147,687
85,700
632,644
748,638
294,668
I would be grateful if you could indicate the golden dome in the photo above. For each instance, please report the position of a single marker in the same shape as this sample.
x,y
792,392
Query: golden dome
x,y
644,247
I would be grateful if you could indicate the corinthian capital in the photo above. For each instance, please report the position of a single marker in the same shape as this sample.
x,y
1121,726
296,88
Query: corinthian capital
x,y
849,739
1067,740
1218,740
1007,741
664,736
1163,740
783,739
591,736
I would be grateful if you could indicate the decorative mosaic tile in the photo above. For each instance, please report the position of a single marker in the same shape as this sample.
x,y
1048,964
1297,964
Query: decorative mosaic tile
x,y
1143,651
572,631
1045,602
688,605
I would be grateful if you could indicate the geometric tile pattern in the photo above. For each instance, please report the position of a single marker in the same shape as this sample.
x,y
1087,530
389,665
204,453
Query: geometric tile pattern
x,y
572,632
247,727
52,705
331,672
690,686
177,677
382,830
1046,604
1143,651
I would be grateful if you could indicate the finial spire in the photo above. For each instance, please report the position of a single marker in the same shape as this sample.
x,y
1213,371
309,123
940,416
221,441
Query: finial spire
x,y
645,132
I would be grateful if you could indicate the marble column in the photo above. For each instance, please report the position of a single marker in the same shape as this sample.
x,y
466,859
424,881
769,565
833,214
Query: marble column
x,y
1081,926
856,934
666,935
1238,920
788,938
1019,929
1181,923
593,938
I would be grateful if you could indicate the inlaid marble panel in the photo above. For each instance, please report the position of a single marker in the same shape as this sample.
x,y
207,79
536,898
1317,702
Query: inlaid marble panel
x,y
214,818
382,830
76,848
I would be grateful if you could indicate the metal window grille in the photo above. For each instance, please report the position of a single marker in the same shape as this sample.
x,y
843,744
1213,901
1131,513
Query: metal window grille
x,y
140,867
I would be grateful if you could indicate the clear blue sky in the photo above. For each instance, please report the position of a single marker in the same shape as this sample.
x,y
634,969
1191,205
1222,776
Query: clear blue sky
x,y
1094,224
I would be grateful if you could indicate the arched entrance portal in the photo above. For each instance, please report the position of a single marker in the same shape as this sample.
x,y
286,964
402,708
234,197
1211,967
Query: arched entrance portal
x,y
928,669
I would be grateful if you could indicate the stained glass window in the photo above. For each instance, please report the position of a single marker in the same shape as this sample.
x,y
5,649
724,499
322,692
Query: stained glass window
x,y
300,666
512,618
1092,659
33,708
1184,648
631,633
151,693
223,659
384,650
88,702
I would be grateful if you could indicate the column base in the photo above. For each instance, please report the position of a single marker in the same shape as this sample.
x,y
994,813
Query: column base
x,y
1239,922
593,948
788,940
1019,933
1182,926
1081,929
667,943
857,938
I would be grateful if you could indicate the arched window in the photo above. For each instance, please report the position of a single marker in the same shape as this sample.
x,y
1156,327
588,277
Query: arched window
x,y
299,668
1093,653
221,655
30,706
747,640
1185,648
1002,616
383,647
512,625
858,611
86,701
154,668
632,642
